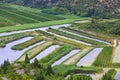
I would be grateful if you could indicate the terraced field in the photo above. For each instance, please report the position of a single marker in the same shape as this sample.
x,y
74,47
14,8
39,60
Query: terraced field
x,y
17,16
60,48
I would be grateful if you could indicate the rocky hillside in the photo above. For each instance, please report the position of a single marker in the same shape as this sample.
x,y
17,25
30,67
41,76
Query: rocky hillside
x,y
79,7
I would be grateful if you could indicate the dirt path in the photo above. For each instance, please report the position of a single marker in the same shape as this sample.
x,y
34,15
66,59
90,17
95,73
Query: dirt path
x,y
114,47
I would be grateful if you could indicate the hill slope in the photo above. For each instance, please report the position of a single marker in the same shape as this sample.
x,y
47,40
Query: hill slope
x,y
17,15
79,7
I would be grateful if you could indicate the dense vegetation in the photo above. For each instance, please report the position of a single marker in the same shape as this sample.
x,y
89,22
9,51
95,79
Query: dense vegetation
x,y
109,75
83,8
27,43
104,26
57,54
75,37
35,50
104,59
9,38
14,15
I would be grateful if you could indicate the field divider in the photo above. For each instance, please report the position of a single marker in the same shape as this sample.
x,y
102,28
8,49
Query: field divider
x,y
35,50
75,58
28,43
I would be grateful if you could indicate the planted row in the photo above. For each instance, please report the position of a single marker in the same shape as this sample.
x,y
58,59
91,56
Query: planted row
x,y
26,44
35,50
75,37
109,75
43,33
16,18
80,32
57,54
74,59
104,59
65,70
80,77
70,42
9,38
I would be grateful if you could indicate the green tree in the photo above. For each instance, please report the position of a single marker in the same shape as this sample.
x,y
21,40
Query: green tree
x,y
27,60
36,63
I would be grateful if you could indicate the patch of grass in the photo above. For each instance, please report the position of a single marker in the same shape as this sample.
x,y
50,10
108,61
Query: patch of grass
x,y
28,43
75,37
35,25
104,59
35,50
9,38
68,69
76,44
75,58
109,75
55,55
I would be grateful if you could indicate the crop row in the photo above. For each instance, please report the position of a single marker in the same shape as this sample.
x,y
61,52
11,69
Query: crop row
x,y
75,37
57,54
35,51
76,44
96,36
16,18
80,77
26,44
109,75
104,59
35,25
20,16
9,38
68,69
43,33
74,59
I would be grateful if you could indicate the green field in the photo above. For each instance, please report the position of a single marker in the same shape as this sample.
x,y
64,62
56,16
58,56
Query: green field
x,y
57,54
28,43
18,15
75,37
104,59
35,50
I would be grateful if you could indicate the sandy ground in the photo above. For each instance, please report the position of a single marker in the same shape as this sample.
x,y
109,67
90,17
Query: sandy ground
x,y
116,54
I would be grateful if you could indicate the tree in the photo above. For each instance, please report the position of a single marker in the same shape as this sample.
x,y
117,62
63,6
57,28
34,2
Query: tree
x,y
49,70
36,63
40,76
27,60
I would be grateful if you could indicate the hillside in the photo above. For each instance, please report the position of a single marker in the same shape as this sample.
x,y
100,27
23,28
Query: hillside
x,y
110,8
18,15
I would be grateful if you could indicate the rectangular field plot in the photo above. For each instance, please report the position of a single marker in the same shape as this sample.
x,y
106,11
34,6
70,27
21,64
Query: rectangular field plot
x,y
104,59
73,52
89,58
45,52
74,59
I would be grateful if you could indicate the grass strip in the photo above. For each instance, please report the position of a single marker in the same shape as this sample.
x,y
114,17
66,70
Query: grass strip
x,y
28,43
56,55
35,51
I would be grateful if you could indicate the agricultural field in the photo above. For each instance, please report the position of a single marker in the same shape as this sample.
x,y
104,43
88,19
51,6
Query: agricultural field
x,y
39,46
17,16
